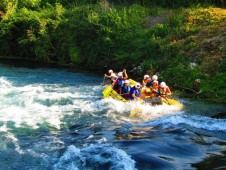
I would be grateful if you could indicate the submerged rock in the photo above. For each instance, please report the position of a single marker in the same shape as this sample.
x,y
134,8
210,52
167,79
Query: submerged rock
x,y
221,115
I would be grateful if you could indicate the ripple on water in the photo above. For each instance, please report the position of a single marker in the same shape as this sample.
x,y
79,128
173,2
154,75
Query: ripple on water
x,y
99,156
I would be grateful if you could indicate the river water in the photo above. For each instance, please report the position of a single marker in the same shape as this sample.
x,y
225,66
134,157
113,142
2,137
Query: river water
x,y
56,119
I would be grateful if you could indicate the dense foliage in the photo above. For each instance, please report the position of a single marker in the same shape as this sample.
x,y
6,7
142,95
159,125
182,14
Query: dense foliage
x,y
120,33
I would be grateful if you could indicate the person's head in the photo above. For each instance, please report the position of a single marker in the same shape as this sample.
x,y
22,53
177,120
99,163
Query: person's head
x,y
110,71
163,85
146,76
154,77
137,86
127,83
120,74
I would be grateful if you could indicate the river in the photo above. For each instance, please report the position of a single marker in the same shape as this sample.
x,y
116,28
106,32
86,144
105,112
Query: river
x,y
53,118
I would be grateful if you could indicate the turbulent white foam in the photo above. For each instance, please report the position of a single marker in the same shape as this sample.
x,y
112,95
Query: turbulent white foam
x,y
10,141
100,156
32,115
4,83
200,122
3,128
120,111
102,140
35,104
15,141
32,105
150,112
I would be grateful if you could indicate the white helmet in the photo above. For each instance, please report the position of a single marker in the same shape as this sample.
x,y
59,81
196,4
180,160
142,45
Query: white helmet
x,y
146,76
163,84
110,71
126,81
120,74
137,85
155,81
154,77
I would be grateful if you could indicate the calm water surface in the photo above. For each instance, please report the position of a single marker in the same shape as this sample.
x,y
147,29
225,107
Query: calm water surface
x,y
56,119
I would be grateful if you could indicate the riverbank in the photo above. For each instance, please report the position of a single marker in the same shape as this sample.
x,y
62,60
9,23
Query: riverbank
x,y
186,45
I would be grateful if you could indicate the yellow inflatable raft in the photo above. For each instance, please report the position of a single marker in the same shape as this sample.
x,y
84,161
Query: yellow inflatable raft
x,y
109,92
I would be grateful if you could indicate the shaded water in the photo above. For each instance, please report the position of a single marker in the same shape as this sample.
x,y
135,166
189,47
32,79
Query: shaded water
x,y
56,119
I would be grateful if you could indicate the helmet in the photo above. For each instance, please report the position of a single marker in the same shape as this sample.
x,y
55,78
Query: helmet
x,y
137,85
110,71
154,77
155,81
163,84
120,74
146,76
126,81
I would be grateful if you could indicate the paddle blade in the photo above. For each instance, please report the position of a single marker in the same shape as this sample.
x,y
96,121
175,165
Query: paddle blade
x,y
175,103
133,113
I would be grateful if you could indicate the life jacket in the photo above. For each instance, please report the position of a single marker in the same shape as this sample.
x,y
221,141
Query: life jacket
x,y
162,92
154,89
119,83
126,92
137,93
149,84
126,89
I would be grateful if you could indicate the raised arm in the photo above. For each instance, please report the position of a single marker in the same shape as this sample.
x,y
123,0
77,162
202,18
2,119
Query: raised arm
x,y
124,71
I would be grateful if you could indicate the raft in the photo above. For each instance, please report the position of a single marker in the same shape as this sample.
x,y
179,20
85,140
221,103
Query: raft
x,y
109,92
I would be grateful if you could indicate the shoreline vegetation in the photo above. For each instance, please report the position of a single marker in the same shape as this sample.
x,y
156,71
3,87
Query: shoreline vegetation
x,y
185,41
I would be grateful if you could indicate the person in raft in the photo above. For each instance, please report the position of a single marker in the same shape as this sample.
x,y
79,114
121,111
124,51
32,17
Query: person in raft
x,y
152,86
145,80
164,90
118,84
151,80
126,90
135,92
154,89
111,77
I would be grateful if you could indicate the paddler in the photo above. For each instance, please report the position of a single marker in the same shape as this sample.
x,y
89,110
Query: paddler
x,y
111,77
118,84
126,90
135,92
164,90
145,80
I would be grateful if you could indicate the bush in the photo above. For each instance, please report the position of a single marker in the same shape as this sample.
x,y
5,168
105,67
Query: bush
x,y
216,89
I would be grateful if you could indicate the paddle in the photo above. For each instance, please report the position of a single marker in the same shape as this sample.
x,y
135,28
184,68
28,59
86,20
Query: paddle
x,y
133,111
174,102
103,81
